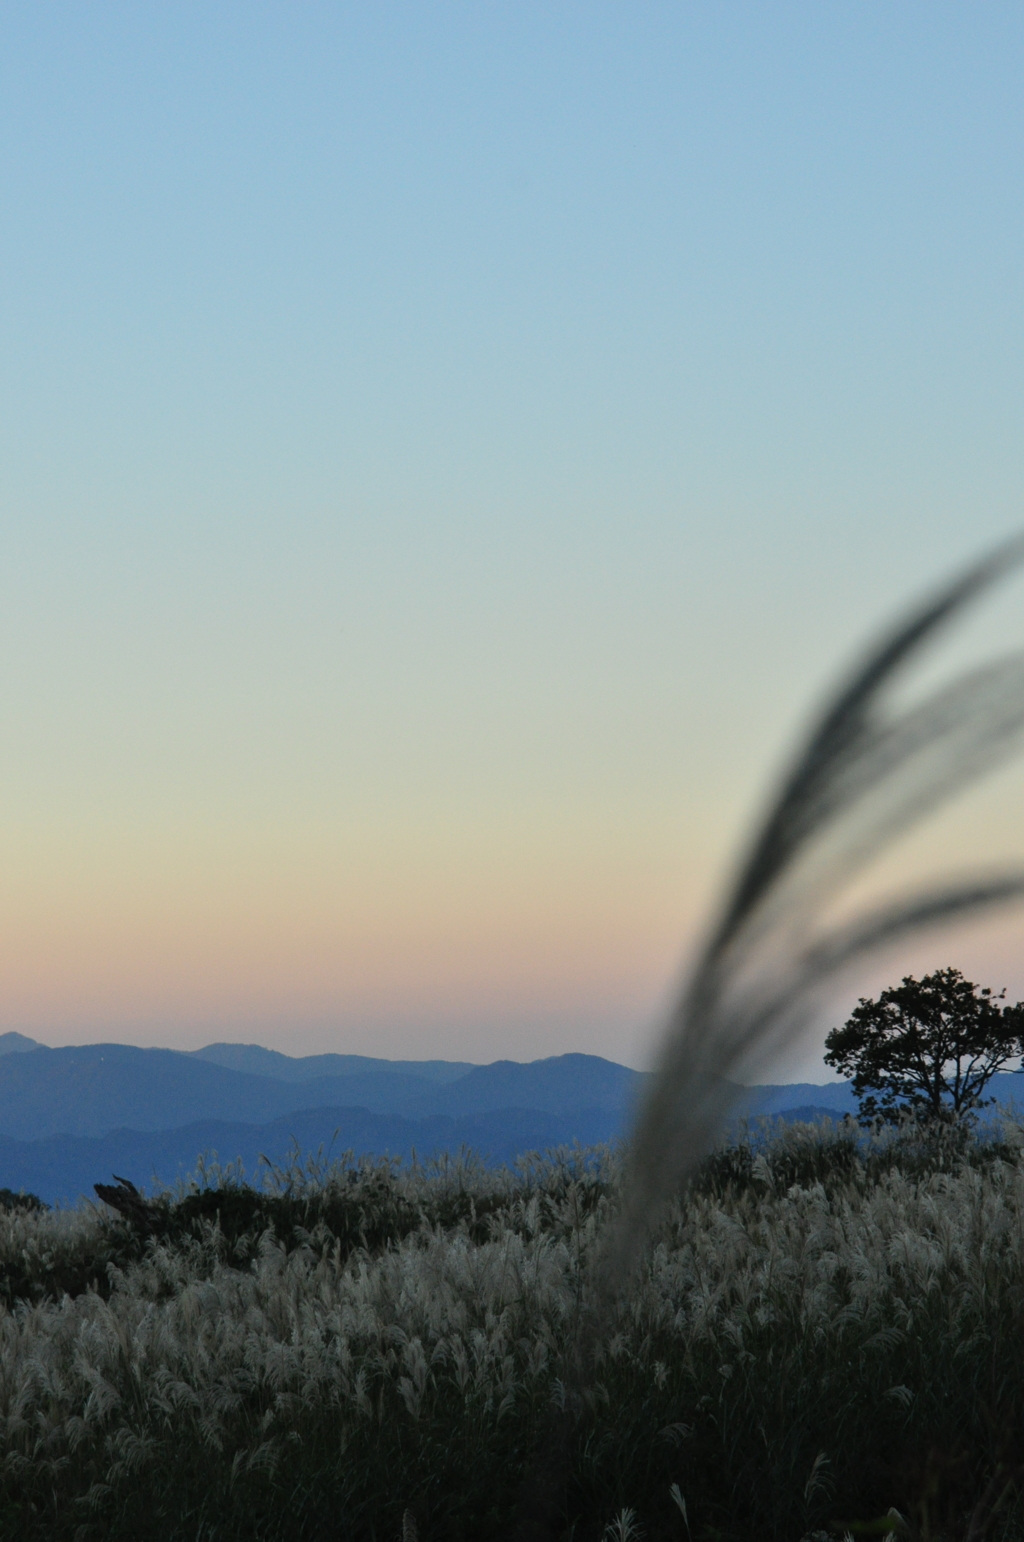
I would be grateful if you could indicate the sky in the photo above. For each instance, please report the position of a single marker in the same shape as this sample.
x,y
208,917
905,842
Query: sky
x,y
445,451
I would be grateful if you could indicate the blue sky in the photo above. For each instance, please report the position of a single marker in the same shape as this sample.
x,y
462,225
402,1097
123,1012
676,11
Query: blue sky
x,y
443,450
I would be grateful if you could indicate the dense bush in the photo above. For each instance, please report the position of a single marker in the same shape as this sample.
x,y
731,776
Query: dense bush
x,y
9,1200
826,1328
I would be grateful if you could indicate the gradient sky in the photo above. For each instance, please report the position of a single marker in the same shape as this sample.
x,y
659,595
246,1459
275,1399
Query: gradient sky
x,y
444,450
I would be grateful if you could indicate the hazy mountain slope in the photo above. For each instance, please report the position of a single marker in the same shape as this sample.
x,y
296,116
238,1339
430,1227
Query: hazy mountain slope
x,y
63,1167
1008,1090
837,1097
88,1090
16,1043
559,1083
302,1068
91,1089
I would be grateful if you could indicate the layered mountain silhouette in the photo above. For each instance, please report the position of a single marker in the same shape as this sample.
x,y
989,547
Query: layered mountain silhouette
x,y
91,1089
70,1117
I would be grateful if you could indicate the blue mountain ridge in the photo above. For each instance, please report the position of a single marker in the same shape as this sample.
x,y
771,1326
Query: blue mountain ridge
x,y
304,1068
91,1089
71,1117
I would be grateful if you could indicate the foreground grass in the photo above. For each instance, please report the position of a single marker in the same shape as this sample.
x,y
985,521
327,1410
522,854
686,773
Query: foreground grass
x,y
819,1335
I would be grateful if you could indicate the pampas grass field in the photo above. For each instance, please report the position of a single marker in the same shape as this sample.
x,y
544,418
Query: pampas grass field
x,y
824,1338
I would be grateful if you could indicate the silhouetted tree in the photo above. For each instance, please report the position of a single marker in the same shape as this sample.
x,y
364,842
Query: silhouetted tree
x,y
928,1046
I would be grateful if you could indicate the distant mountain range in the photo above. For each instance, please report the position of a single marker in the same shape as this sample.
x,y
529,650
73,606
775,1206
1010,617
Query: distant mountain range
x,y
92,1089
71,1117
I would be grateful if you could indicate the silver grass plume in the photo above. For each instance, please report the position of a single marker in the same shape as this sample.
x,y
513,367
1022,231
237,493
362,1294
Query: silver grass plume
x,y
866,773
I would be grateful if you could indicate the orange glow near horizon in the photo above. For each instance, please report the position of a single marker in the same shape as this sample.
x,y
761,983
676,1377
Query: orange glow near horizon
x,y
459,945
477,939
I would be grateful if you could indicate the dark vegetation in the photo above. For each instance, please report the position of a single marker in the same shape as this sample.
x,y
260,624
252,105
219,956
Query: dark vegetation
x,y
364,1207
827,1329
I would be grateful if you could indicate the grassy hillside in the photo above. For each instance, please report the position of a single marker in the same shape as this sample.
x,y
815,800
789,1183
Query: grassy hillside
x,y
821,1333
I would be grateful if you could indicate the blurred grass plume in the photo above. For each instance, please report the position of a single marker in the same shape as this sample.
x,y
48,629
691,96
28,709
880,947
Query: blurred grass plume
x,y
867,771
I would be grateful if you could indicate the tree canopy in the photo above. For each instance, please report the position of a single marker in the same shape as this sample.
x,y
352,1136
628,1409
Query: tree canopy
x,y
927,1046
